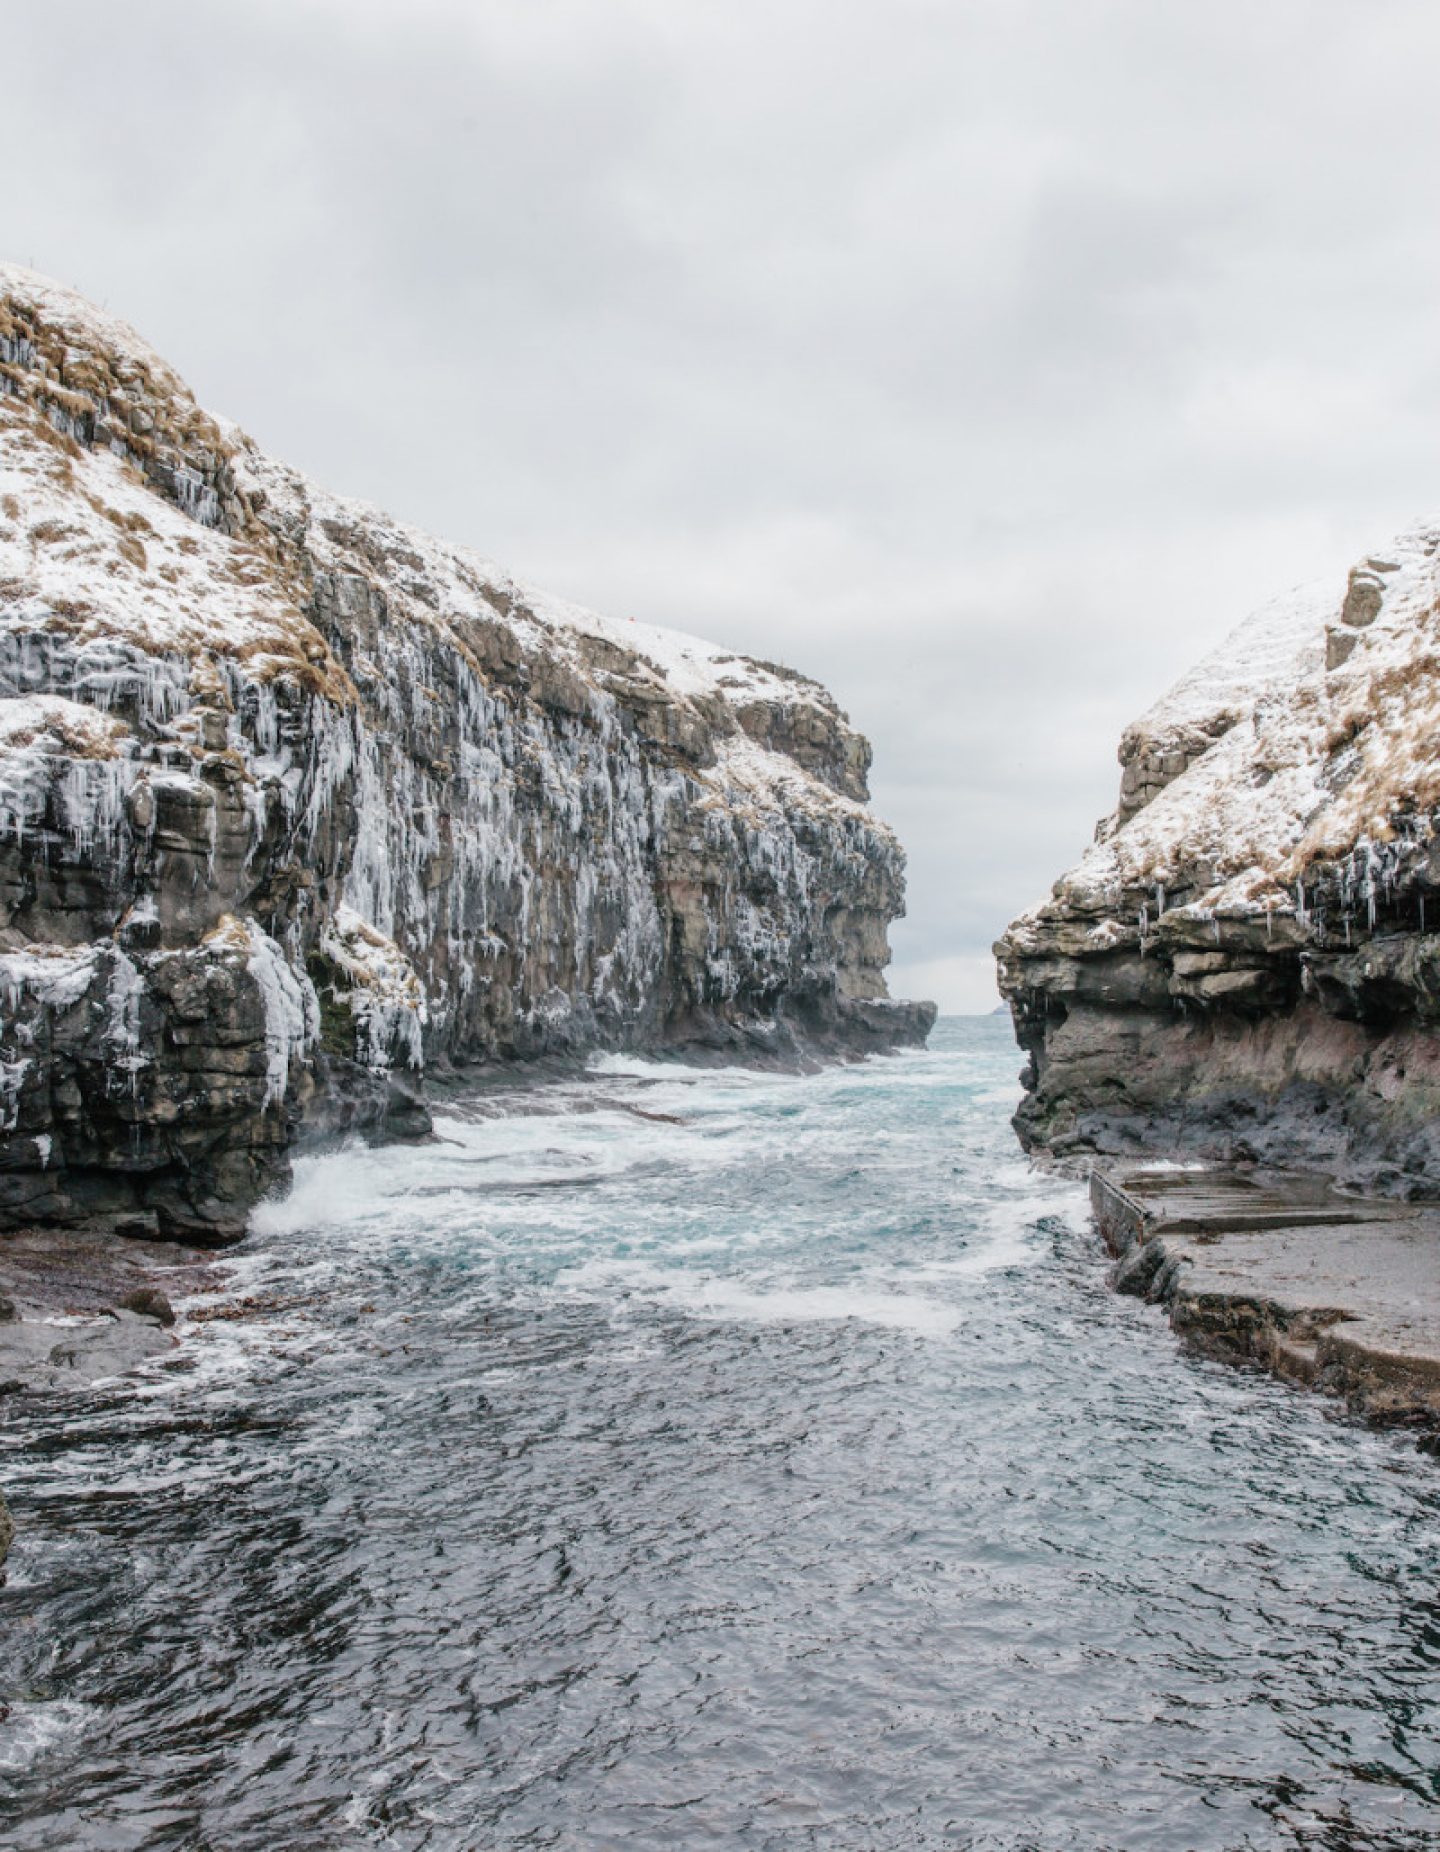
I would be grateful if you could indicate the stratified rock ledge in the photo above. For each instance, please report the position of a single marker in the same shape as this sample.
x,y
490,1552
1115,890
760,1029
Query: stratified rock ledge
x,y
1279,1269
1244,967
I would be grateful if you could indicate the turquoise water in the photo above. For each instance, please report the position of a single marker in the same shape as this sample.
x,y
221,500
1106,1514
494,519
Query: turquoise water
x,y
679,1458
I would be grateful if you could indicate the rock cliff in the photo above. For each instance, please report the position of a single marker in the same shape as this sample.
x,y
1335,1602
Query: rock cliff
x,y
1245,963
298,803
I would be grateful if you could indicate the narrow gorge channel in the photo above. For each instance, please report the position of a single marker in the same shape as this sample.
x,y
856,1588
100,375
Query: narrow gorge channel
x,y
603,1476
512,1337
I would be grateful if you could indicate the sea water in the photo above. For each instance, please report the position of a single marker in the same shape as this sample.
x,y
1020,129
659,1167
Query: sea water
x,y
672,1458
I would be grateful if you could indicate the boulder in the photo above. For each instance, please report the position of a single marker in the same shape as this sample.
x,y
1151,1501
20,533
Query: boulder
x,y
149,1302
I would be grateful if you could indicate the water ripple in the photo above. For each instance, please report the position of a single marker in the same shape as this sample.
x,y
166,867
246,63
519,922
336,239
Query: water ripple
x,y
793,1482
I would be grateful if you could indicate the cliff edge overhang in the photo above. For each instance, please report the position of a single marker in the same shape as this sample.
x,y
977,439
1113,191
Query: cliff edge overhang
x,y
298,802
1244,964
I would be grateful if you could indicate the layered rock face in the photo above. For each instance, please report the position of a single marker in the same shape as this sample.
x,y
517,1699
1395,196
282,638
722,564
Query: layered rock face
x,y
1245,964
297,803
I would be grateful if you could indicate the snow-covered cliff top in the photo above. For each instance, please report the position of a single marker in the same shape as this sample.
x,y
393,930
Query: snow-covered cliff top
x,y
165,529
1265,650
1312,731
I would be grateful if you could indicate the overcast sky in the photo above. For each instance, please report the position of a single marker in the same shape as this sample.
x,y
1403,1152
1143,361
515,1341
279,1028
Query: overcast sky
x,y
987,359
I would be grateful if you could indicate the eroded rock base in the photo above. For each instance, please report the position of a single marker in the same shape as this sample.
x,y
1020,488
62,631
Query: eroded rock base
x,y
1281,1270
77,1306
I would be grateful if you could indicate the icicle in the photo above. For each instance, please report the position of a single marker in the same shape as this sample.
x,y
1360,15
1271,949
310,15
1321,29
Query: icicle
x,y
292,1010
12,1080
122,1032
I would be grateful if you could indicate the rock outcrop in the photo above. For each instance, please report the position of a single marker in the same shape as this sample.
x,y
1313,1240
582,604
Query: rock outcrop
x,y
297,803
1245,964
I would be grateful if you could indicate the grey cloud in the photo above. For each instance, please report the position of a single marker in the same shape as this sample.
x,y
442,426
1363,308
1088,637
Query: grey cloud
x,y
986,360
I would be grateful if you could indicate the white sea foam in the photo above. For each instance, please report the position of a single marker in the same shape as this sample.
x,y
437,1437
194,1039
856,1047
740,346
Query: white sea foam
x,y
33,1730
732,1077
717,1296
1007,1235
637,1186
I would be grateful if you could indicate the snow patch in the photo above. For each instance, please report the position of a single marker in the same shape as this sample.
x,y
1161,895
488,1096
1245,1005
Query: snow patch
x,y
1317,759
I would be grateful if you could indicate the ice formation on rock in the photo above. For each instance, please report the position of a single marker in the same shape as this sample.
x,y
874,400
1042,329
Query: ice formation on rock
x,y
297,801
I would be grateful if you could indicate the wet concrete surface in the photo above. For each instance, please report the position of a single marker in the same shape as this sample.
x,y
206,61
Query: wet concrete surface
x,y
1283,1270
